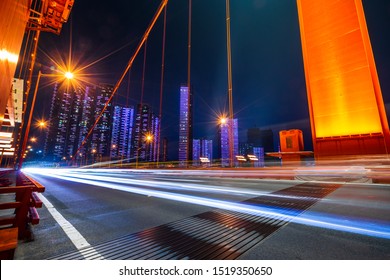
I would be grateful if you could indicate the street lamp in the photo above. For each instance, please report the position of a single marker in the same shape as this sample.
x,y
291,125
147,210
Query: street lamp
x,y
41,124
68,76
93,155
226,131
147,139
223,120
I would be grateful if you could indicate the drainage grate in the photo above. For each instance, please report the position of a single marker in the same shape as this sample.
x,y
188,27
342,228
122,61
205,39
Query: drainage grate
x,y
218,234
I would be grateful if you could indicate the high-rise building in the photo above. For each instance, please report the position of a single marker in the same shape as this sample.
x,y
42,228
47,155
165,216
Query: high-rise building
x,y
196,148
258,152
154,156
56,144
185,126
122,128
101,136
145,134
202,151
245,148
87,120
72,114
225,144
207,149
74,119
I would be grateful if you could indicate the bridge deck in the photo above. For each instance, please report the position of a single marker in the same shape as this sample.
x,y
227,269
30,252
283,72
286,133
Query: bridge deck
x,y
218,234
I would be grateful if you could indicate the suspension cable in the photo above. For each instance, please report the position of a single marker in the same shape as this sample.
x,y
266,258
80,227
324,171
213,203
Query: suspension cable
x,y
139,110
128,66
189,74
230,86
161,83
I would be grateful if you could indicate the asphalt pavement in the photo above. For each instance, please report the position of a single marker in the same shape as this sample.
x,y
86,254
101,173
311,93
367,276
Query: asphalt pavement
x,y
102,214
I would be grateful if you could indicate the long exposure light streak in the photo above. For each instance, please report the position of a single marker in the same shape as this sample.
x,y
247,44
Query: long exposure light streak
x,y
352,225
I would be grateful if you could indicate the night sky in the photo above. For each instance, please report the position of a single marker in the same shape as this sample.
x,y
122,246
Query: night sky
x,y
269,88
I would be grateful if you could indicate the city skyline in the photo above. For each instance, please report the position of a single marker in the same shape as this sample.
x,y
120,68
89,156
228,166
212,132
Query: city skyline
x,y
122,132
268,79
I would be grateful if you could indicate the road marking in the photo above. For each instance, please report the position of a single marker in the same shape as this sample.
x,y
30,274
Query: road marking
x,y
74,235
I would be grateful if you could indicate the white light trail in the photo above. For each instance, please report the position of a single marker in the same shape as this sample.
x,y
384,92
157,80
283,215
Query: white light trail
x,y
377,229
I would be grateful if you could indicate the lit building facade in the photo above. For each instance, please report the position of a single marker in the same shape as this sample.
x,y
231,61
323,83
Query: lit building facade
x,y
87,120
225,143
202,152
56,143
72,114
196,152
258,152
146,124
347,113
153,152
122,128
101,135
207,149
75,101
185,126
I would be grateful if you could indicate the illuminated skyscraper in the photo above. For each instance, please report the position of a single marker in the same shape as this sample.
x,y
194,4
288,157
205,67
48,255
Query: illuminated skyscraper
x,y
57,140
74,120
122,127
101,136
72,114
258,152
87,120
202,150
347,113
207,149
196,152
153,153
225,143
146,124
185,126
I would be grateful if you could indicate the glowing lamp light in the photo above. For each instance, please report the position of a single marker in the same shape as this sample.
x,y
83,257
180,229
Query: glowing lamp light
x,y
204,160
10,57
149,137
240,158
223,120
41,124
69,75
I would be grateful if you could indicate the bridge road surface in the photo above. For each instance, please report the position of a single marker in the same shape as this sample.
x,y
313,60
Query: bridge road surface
x,y
101,214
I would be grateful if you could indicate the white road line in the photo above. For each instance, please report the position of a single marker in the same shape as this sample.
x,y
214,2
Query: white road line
x,y
74,235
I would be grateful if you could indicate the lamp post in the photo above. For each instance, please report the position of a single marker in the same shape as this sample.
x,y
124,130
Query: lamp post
x,y
147,139
227,140
93,156
68,75
113,147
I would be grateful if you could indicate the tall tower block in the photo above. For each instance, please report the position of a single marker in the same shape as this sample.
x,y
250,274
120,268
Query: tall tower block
x,y
347,113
